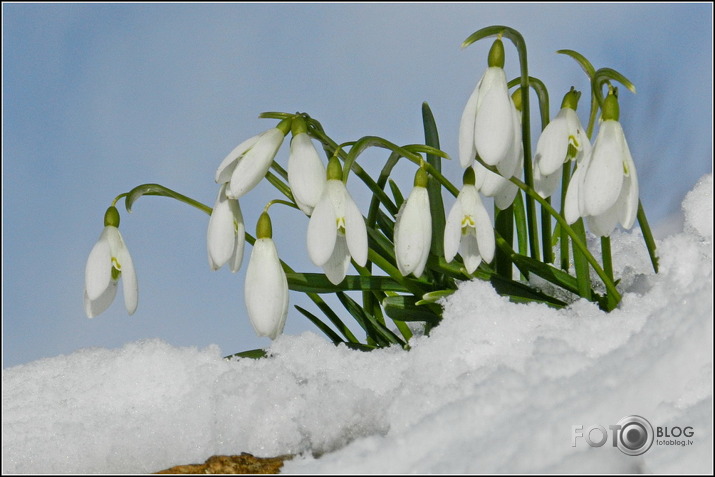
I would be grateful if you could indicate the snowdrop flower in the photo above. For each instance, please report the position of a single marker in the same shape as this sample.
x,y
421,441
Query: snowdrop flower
x,y
499,186
109,261
486,127
266,289
226,233
336,230
306,172
248,163
604,187
413,229
468,227
562,140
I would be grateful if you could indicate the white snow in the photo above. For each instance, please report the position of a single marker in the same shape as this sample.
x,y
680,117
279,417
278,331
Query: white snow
x,y
497,387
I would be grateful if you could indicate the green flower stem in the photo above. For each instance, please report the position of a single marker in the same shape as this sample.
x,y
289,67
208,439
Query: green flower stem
x,y
580,261
563,237
648,236
606,256
282,187
504,226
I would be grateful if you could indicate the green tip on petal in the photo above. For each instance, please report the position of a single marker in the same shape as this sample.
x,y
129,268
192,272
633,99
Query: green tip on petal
x,y
516,97
469,177
264,228
571,99
285,125
496,54
335,170
298,126
611,110
111,217
421,178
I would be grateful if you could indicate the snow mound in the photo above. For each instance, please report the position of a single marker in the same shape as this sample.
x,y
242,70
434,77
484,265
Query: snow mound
x,y
497,387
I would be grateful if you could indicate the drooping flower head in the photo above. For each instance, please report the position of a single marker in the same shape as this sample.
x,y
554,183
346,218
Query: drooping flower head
x,y
306,172
108,261
468,228
336,230
563,139
226,233
413,228
604,187
245,166
499,186
266,288
486,127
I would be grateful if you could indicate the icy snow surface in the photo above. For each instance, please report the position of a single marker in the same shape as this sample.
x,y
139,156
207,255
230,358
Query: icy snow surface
x,y
496,388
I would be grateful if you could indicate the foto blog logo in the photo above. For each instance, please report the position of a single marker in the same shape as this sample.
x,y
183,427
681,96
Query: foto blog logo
x,y
633,435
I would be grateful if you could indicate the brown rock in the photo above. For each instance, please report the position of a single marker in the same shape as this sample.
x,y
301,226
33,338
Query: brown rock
x,y
232,464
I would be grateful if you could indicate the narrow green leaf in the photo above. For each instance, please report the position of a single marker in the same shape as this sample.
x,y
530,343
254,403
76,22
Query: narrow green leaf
x,y
160,190
434,189
647,236
399,199
605,75
252,354
405,308
376,330
333,336
319,283
434,296
522,293
582,61
275,115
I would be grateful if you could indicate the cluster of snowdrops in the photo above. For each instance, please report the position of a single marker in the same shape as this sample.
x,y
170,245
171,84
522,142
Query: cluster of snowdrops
x,y
409,252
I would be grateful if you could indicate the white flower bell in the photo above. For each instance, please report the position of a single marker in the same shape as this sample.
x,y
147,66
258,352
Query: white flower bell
x,y
108,261
266,288
306,172
499,186
226,234
486,127
336,230
562,140
468,228
413,229
604,187
245,166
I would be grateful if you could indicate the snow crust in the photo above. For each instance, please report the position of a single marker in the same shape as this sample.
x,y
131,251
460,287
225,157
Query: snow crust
x,y
497,387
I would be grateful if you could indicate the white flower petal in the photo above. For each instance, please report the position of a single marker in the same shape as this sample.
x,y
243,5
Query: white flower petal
x,y
266,290
552,147
306,173
603,179
453,229
97,306
493,127
130,286
467,150
484,233
355,231
322,231
337,265
98,271
572,207
603,225
254,164
225,169
413,233
221,233
469,249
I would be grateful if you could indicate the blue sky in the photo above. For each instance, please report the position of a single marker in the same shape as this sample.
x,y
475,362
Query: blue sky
x,y
98,98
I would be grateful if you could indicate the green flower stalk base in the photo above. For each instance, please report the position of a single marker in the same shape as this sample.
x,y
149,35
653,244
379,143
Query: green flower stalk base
x,y
390,267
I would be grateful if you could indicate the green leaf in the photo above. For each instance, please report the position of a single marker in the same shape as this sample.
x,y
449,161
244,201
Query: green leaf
x,y
582,61
160,190
333,336
399,199
252,354
605,75
434,296
319,283
434,189
405,308
374,329
522,293
275,115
